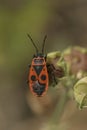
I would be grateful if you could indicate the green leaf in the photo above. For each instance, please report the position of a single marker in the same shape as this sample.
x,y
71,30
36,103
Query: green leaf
x,y
80,92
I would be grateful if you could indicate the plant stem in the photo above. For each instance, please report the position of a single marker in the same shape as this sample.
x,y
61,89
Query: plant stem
x,y
59,110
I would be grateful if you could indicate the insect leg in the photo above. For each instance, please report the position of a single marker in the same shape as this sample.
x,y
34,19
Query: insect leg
x,y
27,81
29,65
51,73
54,78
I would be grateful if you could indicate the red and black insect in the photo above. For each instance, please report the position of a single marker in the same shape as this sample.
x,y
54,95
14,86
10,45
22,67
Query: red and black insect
x,y
38,75
40,71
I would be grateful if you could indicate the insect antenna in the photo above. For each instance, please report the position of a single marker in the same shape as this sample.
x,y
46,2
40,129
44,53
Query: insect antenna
x,y
33,43
43,44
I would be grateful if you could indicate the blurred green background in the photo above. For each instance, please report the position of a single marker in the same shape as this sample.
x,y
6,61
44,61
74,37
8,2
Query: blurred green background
x,y
65,24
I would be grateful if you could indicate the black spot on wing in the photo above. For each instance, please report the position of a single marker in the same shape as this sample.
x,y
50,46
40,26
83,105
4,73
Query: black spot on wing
x,y
39,88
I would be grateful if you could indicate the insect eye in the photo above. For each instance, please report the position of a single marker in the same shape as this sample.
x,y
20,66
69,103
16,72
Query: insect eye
x,y
43,77
33,77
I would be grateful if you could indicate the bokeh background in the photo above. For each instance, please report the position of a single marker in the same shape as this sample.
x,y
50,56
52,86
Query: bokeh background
x,y
65,24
